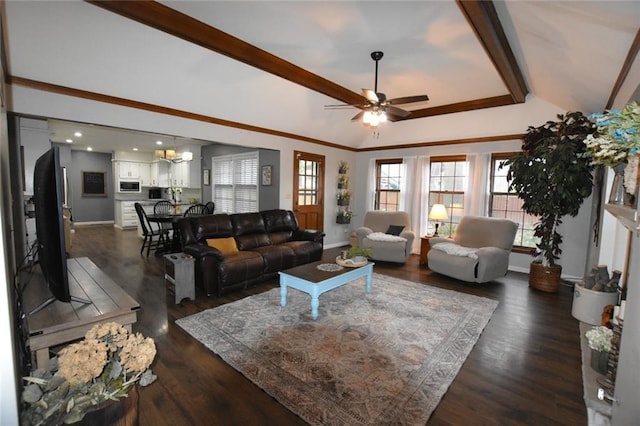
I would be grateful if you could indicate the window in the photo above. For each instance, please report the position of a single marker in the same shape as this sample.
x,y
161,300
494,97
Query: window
x,y
506,204
388,179
447,183
235,183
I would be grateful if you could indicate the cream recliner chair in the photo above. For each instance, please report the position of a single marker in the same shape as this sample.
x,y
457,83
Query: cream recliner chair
x,y
479,251
386,247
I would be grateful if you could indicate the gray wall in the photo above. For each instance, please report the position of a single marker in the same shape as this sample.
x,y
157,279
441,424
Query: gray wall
x,y
88,208
268,195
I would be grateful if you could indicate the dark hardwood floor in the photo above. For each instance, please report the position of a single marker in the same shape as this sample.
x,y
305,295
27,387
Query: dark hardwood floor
x,y
524,369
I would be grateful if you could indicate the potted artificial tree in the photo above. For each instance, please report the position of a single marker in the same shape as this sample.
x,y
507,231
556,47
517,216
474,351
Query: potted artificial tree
x,y
552,177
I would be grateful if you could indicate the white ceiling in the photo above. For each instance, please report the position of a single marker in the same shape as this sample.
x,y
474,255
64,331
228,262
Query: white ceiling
x,y
570,54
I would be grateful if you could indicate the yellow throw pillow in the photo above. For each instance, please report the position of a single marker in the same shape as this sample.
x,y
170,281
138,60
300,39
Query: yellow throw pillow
x,y
225,245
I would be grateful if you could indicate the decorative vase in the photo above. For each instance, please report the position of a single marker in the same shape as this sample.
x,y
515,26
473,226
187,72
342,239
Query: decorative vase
x,y
618,195
599,360
123,412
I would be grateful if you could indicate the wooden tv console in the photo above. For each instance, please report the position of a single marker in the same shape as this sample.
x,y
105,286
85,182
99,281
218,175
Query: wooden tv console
x,y
60,322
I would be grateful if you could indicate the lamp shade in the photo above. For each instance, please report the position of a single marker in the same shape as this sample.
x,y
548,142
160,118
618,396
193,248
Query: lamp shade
x,y
438,212
187,156
167,154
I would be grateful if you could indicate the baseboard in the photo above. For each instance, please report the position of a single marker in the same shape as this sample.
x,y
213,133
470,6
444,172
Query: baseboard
x,y
106,222
334,245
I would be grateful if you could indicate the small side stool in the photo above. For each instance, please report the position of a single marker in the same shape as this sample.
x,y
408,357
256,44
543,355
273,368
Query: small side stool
x,y
179,275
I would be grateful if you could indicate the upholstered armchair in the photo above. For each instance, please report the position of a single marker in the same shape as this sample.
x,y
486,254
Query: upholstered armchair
x,y
479,251
387,234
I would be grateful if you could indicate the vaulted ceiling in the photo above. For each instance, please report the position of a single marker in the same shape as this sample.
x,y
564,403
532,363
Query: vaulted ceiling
x,y
272,66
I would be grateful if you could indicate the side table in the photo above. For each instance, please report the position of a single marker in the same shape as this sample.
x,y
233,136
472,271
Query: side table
x,y
179,274
424,249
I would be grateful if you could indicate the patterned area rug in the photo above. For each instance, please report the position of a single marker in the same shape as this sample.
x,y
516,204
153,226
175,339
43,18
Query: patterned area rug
x,y
379,358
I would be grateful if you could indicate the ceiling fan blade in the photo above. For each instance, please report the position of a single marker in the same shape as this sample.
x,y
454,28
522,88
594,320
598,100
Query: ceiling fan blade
x,y
408,99
370,95
397,111
358,116
341,106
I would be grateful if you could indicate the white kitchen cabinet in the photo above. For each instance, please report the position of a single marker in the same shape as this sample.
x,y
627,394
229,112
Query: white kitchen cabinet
x,y
145,174
126,216
128,169
185,174
180,174
159,174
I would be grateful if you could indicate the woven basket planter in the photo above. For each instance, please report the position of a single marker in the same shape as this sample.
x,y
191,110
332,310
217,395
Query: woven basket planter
x,y
545,278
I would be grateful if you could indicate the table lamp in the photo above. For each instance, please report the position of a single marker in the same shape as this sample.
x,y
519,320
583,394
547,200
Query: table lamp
x,y
438,212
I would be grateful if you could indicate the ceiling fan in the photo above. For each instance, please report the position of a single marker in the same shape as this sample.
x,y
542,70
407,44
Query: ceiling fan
x,y
376,107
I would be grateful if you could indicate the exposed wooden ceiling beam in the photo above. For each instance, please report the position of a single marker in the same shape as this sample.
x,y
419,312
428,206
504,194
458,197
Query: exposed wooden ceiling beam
x,y
183,26
483,18
624,72
129,103
178,24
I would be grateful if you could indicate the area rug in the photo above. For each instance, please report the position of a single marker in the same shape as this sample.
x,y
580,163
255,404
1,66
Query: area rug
x,y
385,357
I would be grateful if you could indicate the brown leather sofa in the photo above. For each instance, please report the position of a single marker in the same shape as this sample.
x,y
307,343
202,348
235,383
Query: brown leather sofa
x,y
266,242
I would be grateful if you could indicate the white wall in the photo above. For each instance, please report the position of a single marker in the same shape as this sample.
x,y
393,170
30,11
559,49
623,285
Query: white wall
x,y
29,101
575,231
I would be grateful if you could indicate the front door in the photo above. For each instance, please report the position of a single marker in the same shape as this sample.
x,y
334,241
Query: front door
x,y
308,189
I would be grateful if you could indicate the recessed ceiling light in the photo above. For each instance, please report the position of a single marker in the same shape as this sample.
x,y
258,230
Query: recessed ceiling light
x,y
77,134
69,140
89,148
135,149
158,142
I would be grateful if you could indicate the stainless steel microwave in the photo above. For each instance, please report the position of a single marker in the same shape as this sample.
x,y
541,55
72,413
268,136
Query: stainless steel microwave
x,y
129,185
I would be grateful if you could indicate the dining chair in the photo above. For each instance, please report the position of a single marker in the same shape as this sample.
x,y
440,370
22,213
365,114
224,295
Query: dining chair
x,y
211,206
149,233
196,210
163,207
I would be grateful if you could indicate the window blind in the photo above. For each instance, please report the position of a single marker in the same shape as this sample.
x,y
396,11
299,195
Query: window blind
x,y
235,182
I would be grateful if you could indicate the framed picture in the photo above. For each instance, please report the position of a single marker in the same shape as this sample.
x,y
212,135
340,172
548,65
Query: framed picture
x,y
93,184
266,175
206,176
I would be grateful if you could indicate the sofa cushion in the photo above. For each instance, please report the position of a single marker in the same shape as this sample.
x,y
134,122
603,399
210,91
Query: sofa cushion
x,y
306,251
249,230
395,229
456,250
279,220
225,245
240,267
381,236
210,226
277,258
280,237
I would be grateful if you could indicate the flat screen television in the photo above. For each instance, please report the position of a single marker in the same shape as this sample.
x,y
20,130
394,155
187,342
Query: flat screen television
x,y
48,199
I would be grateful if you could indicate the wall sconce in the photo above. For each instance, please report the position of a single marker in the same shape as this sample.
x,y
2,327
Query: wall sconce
x,y
438,212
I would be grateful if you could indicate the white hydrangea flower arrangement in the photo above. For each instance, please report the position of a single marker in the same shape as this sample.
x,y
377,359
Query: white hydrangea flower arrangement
x,y
600,338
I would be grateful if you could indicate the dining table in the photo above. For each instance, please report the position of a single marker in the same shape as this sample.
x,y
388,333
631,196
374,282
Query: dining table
x,y
174,220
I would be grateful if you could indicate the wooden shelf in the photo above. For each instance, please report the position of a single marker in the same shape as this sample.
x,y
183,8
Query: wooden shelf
x,y
626,215
596,408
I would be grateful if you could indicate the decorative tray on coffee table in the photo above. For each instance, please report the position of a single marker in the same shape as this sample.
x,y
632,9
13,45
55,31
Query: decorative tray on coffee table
x,y
352,263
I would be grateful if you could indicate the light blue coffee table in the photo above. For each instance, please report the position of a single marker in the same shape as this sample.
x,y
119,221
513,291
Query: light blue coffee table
x,y
309,279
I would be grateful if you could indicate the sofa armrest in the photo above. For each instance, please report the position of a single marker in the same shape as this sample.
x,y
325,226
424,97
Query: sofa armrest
x,y
308,235
492,262
361,233
435,240
201,250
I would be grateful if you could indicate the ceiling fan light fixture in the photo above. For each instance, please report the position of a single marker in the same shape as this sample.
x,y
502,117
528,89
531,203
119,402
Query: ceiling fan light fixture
x,y
366,117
